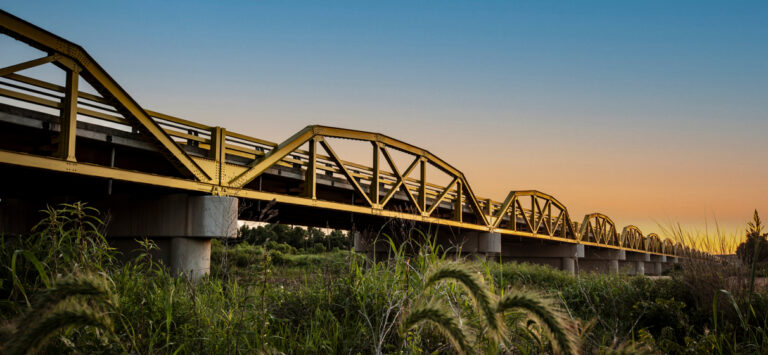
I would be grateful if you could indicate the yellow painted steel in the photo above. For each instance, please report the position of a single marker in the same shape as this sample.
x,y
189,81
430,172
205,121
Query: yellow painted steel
x,y
99,80
530,214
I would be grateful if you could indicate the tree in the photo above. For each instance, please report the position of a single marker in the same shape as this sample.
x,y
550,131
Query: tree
x,y
756,244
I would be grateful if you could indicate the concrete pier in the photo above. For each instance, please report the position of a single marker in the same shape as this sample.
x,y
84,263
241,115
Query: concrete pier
x,y
559,255
656,263
636,262
482,245
188,222
602,260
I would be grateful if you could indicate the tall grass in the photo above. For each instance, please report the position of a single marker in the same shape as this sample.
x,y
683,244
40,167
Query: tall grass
x,y
270,298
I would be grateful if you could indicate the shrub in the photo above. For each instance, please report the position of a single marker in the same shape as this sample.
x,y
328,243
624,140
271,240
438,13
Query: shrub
x,y
281,247
318,248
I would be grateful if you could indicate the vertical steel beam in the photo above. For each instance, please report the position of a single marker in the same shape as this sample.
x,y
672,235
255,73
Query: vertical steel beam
x,y
374,189
423,185
458,211
68,116
310,177
548,207
218,151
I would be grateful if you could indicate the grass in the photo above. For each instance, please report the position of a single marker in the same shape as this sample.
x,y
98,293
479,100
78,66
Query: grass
x,y
271,298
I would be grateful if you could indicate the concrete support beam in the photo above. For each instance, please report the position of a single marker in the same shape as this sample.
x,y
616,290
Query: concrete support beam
x,y
190,222
482,245
602,260
177,215
569,265
656,264
562,256
637,262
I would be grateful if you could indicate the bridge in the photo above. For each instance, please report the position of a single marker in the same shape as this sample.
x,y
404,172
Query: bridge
x,y
184,182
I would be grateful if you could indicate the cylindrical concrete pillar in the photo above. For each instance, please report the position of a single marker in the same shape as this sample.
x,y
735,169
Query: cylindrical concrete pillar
x,y
191,257
569,265
613,266
640,268
657,268
360,245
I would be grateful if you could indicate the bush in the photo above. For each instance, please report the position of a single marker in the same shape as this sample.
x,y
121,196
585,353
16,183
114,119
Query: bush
x,y
297,237
281,247
318,248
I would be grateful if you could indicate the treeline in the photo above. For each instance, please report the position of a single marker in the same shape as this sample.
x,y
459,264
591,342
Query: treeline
x,y
310,240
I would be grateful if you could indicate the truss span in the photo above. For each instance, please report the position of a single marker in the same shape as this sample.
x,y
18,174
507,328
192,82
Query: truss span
x,y
304,170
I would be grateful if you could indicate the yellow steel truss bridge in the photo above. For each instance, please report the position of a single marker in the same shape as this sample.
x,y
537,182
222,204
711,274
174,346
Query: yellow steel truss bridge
x,y
58,128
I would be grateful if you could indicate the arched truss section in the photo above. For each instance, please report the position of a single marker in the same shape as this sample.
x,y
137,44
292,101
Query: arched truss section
x,y
112,104
374,186
669,246
532,212
599,228
632,237
653,243
679,249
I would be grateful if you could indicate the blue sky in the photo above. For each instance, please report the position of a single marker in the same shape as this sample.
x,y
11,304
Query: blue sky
x,y
648,110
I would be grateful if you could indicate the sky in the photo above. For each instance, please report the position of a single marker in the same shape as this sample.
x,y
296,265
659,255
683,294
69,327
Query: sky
x,y
651,112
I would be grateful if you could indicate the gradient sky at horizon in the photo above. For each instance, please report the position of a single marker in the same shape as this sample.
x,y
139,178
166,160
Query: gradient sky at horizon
x,y
650,112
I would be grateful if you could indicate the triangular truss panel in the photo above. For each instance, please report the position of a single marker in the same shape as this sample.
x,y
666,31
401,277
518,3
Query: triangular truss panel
x,y
532,212
599,228
632,237
80,66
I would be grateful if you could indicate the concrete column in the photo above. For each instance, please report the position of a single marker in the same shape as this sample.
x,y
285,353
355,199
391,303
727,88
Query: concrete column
x,y
360,246
482,245
656,264
190,222
558,255
372,244
569,265
191,256
637,262
613,266
602,259
639,268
